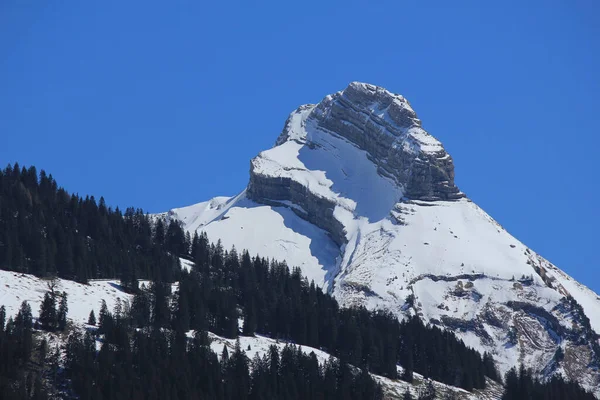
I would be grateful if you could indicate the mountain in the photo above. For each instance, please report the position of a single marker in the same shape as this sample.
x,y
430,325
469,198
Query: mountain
x,y
360,197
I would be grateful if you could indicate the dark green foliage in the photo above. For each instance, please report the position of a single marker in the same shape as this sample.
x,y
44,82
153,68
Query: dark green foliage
x,y
155,366
106,320
63,309
17,380
48,316
282,304
439,355
160,307
522,385
427,391
145,352
140,309
46,231
92,318
489,367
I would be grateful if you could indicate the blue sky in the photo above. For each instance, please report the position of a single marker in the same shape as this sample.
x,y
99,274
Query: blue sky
x,y
159,105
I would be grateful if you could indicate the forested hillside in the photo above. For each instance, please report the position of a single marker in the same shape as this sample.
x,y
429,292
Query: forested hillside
x,y
46,231
158,347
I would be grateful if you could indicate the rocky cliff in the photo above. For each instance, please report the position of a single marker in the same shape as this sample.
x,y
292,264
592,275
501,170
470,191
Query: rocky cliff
x,y
385,126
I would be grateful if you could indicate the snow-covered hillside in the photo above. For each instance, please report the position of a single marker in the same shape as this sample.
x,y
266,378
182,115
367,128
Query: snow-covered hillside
x,y
81,299
359,196
18,287
285,237
258,346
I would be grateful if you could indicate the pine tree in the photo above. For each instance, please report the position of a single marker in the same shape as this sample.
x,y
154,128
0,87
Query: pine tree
x,y
92,318
249,326
140,309
160,308
48,316
2,318
182,313
224,355
407,374
23,327
427,391
105,323
159,232
63,309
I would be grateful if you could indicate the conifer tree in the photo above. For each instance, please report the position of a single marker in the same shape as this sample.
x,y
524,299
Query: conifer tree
x,y
105,324
63,309
2,318
48,317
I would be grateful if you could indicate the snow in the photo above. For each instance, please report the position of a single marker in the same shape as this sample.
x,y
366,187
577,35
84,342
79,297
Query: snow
x,y
486,293
17,287
330,167
196,216
81,299
186,264
274,232
259,346
394,248
413,138
589,300
383,261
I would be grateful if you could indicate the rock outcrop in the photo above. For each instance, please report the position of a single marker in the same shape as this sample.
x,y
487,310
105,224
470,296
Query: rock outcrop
x,y
385,126
313,208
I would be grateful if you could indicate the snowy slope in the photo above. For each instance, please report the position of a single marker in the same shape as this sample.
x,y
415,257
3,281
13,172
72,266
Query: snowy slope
x,y
362,198
283,235
81,299
332,168
390,261
258,346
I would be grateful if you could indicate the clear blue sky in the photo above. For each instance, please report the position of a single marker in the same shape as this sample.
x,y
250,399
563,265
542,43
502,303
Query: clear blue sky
x,y
162,104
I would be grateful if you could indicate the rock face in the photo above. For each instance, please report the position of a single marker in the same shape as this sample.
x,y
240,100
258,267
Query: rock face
x,y
386,127
383,125
315,209
360,197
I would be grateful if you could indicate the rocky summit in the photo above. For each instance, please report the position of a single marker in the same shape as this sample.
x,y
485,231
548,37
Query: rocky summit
x,y
359,196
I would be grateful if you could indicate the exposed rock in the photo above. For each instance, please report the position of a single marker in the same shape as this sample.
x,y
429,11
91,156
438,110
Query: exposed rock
x,y
385,126
315,209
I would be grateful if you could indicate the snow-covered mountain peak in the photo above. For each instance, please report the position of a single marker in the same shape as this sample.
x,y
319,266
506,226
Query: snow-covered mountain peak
x,y
391,112
386,128
360,197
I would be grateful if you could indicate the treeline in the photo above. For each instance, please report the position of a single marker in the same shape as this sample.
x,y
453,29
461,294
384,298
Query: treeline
x,y
282,304
522,385
46,231
437,354
587,334
18,380
161,365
